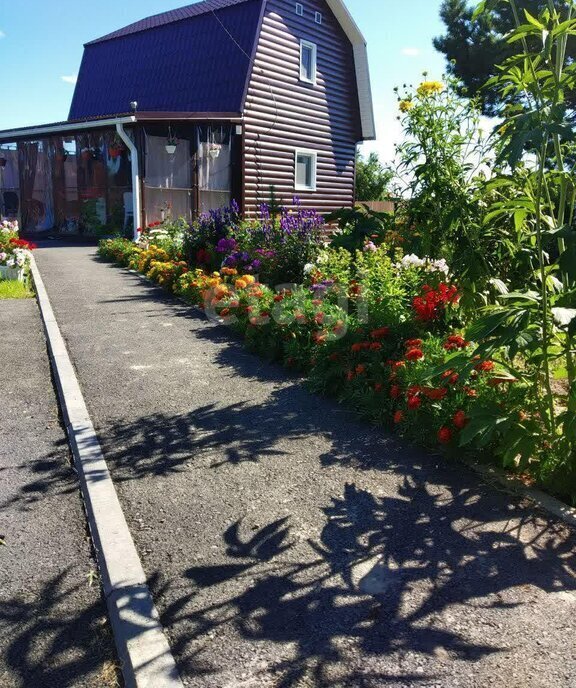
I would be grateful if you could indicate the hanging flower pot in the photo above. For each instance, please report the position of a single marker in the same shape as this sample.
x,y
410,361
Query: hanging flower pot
x,y
171,147
115,152
214,150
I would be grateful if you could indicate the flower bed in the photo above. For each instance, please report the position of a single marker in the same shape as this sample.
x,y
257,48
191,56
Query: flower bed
x,y
381,332
15,253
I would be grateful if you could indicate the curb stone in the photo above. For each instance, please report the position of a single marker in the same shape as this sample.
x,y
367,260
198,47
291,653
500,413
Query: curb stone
x,y
143,649
490,473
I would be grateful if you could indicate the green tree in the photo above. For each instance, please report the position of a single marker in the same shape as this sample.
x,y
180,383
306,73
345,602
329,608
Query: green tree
x,y
372,178
473,47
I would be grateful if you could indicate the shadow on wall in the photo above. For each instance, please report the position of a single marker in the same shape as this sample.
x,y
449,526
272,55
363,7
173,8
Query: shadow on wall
x,y
365,593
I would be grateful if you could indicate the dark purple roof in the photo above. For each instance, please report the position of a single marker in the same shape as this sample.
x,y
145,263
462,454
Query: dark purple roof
x,y
195,59
168,17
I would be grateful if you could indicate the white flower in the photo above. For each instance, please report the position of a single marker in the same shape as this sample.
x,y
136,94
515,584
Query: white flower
x,y
3,256
308,268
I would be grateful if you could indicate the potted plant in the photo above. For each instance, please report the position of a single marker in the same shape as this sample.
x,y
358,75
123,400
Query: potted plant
x,y
214,150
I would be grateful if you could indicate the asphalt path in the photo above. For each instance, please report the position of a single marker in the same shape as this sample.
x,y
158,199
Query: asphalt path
x,y
53,627
288,544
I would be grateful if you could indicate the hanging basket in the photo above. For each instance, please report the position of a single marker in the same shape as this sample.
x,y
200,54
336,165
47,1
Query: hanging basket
x,y
214,150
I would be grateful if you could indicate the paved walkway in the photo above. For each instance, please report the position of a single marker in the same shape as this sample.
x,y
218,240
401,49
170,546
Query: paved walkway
x,y
286,543
53,629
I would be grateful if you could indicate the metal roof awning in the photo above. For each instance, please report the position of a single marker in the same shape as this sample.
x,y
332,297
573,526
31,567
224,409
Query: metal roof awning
x,y
70,126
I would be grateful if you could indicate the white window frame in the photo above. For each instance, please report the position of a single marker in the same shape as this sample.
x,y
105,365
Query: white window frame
x,y
314,48
299,9
318,17
314,156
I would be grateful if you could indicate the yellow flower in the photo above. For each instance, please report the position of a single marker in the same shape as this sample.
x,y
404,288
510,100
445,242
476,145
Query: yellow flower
x,y
249,279
241,284
428,88
406,105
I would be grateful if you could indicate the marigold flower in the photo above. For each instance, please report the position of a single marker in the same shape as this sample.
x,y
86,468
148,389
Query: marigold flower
x,y
355,348
375,346
444,435
414,403
398,417
319,318
240,284
360,368
460,420
414,354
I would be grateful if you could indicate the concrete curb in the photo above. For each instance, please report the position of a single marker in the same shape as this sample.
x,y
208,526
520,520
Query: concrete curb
x,y
146,658
489,473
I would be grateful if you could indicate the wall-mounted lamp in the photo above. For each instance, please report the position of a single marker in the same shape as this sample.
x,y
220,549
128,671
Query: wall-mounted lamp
x,y
134,105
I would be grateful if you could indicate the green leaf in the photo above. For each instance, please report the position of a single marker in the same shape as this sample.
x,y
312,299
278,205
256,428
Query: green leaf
x,y
533,20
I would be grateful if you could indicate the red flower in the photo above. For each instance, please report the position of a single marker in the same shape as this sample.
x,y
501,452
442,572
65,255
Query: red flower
x,y
355,348
319,318
414,354
398,417
395,391
435,394
455,341
414,343
375,346
202,256
380,333
414,403
460,420
378,387
444,435
350,375
433,303
360,369
484,366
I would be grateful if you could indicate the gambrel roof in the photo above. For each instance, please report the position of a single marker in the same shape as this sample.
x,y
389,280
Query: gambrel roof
x,y
192,60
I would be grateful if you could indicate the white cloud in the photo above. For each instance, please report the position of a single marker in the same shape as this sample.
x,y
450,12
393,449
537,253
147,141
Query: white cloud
x,y
72,79
2,34
410,52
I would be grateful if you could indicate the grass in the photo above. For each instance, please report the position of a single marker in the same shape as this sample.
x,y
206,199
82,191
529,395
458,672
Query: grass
x,y
13,289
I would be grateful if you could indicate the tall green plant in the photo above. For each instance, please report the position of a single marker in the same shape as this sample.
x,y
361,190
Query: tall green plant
x,y
536,141
441,161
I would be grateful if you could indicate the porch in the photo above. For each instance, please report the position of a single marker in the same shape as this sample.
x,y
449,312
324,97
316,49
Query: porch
x,y
89,179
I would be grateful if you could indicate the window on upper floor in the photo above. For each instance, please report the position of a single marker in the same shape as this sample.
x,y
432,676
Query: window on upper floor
x,y
318,17
299,9
308,53
305,173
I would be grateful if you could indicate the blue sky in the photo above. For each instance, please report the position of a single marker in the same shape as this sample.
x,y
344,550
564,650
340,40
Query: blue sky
x,y
41,48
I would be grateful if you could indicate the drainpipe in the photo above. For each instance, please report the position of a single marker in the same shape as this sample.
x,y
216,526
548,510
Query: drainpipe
x,y
136,204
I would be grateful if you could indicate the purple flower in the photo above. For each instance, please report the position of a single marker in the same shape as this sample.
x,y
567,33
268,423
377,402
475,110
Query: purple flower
x,y
226,245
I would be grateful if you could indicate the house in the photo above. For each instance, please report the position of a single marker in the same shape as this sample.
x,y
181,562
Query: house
x,y
186,110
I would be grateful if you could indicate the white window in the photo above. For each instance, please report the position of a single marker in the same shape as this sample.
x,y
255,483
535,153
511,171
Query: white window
x,y
308,62
318,18
299,9
305,173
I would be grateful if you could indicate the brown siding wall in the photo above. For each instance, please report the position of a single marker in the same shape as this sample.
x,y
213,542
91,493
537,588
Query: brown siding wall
x,y
282,113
